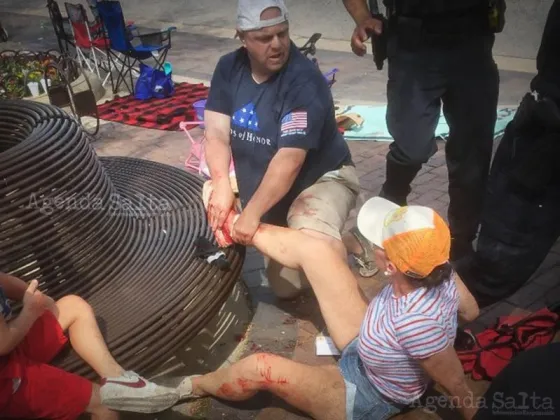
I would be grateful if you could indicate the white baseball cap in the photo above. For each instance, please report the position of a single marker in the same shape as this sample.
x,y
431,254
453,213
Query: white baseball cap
x,y
249,14
415,238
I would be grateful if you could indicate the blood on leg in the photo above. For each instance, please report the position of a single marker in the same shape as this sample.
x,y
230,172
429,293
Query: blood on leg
x,y
317,390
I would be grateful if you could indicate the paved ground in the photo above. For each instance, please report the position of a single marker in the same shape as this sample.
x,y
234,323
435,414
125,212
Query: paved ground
x,y
290,328
196,54
520,38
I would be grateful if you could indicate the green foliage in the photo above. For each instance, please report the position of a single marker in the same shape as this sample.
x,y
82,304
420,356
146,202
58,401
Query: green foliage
x,y
17,70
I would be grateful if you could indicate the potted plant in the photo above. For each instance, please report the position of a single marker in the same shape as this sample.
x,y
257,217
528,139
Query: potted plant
x,y
13,88
33,80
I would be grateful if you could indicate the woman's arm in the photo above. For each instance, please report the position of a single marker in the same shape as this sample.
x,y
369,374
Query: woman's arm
x,y
445,368
13,287
425,340
468,308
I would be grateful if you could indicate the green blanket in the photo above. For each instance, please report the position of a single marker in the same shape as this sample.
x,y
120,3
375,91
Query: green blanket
x,y
375,127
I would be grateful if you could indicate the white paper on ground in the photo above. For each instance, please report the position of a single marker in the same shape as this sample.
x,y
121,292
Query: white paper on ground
x,y
324,346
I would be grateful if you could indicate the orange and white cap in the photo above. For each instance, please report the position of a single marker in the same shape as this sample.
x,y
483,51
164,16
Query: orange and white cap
x,y
415,238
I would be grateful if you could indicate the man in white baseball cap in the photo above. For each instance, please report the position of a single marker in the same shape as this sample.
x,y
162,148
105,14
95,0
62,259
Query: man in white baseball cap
x,y
271,110
250,14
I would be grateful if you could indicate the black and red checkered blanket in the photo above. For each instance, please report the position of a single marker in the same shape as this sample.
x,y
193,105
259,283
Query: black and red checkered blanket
x,y
159,114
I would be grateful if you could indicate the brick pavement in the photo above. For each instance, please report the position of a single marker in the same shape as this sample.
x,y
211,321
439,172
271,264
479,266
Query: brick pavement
x,y
430,189
301,319
195,55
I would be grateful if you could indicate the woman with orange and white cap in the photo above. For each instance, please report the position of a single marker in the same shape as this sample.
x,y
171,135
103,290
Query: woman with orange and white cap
x,y
392,347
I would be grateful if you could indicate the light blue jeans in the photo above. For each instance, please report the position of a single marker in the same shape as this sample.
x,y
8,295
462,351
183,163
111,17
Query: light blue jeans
x,y
363,400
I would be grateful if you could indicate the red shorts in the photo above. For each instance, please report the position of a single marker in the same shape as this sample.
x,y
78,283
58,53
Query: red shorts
x,y
31,388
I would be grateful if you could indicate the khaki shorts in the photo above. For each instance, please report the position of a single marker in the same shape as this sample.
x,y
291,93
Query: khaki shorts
x,y
323,207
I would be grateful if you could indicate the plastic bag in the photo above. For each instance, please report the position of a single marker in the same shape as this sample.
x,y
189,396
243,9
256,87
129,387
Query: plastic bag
x,y
163,86
143,89
154,83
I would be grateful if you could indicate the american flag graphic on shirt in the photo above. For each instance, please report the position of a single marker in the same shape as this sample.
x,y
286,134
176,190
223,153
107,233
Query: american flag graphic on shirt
x,y
294,123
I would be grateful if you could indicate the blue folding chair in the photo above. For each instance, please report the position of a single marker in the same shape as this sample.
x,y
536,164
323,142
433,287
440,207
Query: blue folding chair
x,y
152,45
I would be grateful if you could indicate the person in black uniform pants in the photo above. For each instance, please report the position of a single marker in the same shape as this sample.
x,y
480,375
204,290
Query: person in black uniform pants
x,y
520,222
439,55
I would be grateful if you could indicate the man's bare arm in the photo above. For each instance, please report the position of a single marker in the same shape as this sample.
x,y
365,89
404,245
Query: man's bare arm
x,y
217,145
445,368
357,9
278,179
13,287
218,157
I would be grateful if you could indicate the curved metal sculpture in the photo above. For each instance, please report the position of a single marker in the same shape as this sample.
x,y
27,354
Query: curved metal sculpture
x,y
117,231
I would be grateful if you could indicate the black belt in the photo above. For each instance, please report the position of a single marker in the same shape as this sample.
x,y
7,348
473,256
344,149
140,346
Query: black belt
x,y
471,22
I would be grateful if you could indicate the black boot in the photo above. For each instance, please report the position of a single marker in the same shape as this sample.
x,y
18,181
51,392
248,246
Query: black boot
x,y
397,181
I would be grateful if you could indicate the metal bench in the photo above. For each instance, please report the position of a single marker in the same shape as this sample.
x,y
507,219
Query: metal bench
x,y
117,231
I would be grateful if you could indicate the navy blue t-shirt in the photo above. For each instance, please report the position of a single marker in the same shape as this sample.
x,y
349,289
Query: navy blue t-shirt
x,y
294,108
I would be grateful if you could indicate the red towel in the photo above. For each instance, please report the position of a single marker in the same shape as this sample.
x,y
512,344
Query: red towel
x,y
496,347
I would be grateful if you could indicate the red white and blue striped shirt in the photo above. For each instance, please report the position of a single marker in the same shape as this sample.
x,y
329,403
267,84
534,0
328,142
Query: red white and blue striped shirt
x,y
397,332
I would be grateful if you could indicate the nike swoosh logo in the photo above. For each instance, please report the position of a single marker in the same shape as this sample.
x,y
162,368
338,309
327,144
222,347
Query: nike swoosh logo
x,y
140,383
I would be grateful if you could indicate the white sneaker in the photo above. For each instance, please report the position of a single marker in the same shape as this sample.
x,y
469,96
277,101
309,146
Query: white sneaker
x,y
185,388
131,392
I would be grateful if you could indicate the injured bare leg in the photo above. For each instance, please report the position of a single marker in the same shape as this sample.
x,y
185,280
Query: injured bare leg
x,y
288,283
120,390
317,390
327,272
325,268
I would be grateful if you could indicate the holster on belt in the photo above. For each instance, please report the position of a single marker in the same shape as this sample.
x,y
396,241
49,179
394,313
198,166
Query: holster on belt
x,y
378,42
496,15
440,29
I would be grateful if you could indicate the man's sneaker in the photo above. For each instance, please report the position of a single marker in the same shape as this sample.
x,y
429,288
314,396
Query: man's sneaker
x,y
131,392
223,234
185,388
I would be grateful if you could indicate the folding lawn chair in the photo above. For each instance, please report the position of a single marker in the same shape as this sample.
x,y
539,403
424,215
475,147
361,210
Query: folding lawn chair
x,y
3,33
61,26
90,41
152,45
309,49
97,19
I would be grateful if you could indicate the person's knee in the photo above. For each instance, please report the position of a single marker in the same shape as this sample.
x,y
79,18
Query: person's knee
x,y
409,159
75,301
286,283
74,306
260,370
336,243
